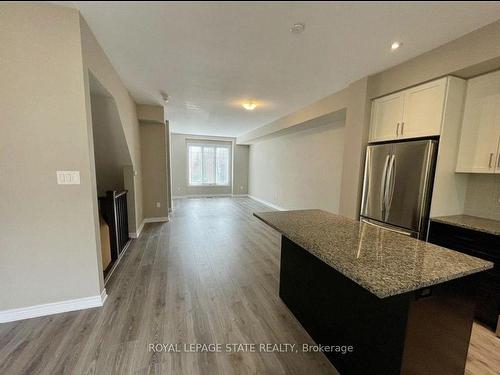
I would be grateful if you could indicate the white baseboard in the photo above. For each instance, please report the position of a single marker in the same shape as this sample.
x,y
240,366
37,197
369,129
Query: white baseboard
x,y
138,233
148,220
201,196
240,195
267,203
13,315
104,296
156,219
108,276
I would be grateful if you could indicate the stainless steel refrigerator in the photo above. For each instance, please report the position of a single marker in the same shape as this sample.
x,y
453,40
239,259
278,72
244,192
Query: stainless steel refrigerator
x,y
397,186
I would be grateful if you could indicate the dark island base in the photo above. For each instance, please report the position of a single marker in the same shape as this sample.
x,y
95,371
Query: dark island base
x,y
421,332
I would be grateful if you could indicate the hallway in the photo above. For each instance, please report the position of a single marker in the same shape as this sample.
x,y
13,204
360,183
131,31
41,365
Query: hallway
x,y
210,275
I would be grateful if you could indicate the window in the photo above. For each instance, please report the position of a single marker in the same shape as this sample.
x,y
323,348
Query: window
x,y
208,164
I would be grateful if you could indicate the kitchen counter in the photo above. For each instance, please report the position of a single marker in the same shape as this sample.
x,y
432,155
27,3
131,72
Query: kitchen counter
x,y
381,261
396,301
471,222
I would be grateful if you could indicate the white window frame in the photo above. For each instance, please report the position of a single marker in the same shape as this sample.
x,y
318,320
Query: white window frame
x,y
214,145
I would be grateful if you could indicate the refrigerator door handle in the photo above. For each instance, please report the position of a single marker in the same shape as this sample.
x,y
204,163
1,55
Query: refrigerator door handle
x,y
389,228
384,185
366,181
390,184
423,215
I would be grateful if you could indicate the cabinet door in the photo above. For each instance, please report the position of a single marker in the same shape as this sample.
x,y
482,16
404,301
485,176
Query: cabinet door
x,y
479,140
387,113
423,110
478,151
497,164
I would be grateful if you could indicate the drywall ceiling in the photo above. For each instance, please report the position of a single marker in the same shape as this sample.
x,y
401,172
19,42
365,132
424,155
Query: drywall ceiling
x,y
211,56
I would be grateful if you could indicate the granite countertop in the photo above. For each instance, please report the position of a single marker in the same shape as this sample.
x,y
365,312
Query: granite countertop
x,y
383,262
471,222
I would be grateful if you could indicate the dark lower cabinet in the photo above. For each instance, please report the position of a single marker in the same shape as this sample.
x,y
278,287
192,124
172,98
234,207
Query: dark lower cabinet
x,y
481,245
426,331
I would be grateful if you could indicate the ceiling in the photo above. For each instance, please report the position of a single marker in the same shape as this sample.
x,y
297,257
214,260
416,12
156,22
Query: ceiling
x,y
211,56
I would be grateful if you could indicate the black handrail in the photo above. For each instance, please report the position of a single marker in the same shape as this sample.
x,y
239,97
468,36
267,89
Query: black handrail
x,y
114,212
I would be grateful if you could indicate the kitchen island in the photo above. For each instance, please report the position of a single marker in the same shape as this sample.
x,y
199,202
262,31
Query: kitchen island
x,y
405,306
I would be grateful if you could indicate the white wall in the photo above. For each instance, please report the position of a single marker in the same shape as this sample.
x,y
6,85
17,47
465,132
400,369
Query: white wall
x,y
483,196
299,170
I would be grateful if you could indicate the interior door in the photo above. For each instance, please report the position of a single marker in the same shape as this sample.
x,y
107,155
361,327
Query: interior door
x,y
387,113
374,183
423,110
408,186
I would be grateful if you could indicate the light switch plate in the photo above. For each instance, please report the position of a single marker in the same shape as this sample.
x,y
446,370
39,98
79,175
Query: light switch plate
x,y
68,177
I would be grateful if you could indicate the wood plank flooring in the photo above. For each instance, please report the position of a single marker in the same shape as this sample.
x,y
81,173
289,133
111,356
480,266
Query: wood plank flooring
x,y
210,275
484,352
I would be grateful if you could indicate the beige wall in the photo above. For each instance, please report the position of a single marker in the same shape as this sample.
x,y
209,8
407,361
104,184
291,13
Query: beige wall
x,y
49,57
169,167
110,148
469,55
151,113
356,139
179,165
95,62
155,155
240,169
333,103
48,236
472,54
154,169
299,170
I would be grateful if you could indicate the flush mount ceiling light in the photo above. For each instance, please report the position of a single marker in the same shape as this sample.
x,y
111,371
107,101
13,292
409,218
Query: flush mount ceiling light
x,y
192,107
249,106
297,28
396,45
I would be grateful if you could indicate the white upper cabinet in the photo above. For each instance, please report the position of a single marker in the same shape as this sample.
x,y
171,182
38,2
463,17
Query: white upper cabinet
x,y
412,113
386,117
479,143
423,110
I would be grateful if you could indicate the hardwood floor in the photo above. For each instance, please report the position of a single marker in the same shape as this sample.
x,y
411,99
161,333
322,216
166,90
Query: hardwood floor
x,y
210,275
484,352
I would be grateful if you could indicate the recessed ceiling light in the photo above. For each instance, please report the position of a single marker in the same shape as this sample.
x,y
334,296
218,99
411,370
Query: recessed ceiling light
x,y
164,96
297,28
249,106
396,45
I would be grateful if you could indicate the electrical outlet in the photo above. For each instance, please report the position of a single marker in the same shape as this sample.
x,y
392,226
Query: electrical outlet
x,y
241,187
158,204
